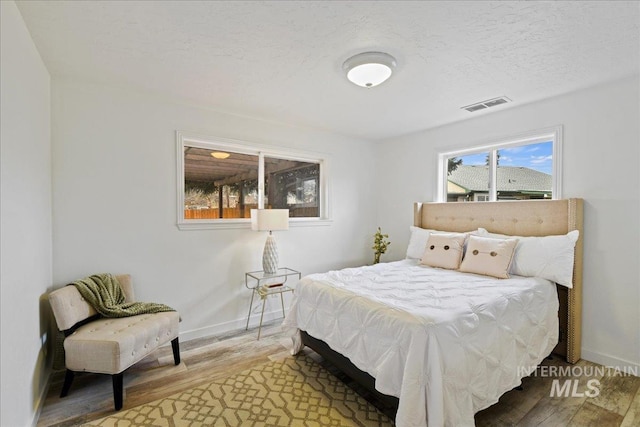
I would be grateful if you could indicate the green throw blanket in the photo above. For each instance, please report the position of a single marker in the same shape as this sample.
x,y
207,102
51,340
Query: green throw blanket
x,y
104,293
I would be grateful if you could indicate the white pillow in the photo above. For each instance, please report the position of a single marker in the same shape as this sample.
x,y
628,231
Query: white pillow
x,y
418,241
549,257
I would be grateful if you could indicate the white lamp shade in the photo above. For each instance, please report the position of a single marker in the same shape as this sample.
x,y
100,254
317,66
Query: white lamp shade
x,y
269,219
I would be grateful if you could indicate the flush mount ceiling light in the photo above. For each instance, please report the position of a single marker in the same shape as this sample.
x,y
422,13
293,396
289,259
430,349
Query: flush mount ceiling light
x,y
369,69
220,154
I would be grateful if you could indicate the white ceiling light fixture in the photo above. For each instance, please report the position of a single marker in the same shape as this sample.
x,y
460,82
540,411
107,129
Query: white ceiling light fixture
x,y
369,69
220,155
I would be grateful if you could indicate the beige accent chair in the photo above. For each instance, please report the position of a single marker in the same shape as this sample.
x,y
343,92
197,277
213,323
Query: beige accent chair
x,y
109,345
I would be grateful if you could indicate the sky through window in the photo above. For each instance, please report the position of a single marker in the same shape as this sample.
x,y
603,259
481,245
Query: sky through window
x,y
537,156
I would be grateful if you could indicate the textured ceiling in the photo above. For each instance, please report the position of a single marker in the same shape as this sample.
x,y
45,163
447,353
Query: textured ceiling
x,y
281,61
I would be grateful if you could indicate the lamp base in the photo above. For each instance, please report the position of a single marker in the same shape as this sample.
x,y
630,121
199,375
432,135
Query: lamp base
x,y
270,256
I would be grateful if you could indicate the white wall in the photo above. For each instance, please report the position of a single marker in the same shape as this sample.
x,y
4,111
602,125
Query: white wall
x,y
25,219
114,204
114,186
600,164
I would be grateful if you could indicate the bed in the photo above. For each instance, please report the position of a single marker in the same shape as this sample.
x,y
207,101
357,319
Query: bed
x,y
439,343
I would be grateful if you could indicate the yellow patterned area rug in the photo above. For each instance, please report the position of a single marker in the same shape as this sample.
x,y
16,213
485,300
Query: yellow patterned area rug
x,y
292,392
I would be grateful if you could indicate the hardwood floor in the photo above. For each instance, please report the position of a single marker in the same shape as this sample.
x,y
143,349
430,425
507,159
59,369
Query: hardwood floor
x,y
205,359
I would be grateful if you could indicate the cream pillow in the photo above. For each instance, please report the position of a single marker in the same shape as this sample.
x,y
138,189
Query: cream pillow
x,y
490,257
418,240
444,250
549,257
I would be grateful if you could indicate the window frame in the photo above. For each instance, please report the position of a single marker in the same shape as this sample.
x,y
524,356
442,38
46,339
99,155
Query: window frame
x,y
186,139
553,134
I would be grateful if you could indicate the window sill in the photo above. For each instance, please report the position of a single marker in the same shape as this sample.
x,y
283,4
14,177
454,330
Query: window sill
x,y
246,223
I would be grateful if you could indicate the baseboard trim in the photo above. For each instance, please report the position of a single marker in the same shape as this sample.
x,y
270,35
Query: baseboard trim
x,y
233,325
626,366
39,405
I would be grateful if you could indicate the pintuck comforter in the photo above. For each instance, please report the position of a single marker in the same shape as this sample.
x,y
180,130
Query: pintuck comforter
x,y
447,344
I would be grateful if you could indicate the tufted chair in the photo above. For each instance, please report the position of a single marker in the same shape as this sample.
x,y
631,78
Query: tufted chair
x,y
109,345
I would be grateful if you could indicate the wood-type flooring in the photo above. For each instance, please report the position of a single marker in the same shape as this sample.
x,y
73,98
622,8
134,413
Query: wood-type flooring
x,y
206,359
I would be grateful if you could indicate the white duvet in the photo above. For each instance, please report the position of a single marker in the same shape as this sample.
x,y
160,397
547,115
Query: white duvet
x,y
448,344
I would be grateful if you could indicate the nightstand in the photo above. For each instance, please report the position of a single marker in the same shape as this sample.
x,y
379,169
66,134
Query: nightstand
x,y
265,284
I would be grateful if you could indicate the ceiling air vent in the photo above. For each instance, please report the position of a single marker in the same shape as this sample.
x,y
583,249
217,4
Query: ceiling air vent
x,y
486,104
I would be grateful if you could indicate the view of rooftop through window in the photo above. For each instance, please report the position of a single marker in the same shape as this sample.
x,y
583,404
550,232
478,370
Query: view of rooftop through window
x,y
522,172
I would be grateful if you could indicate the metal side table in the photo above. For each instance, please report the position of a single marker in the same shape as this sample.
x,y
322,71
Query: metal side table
x,y
266,284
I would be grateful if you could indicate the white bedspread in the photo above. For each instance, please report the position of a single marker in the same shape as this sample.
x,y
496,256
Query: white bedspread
x,y
448,344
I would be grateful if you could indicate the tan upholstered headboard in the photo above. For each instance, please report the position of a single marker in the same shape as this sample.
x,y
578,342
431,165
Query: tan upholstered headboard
x,y
522,218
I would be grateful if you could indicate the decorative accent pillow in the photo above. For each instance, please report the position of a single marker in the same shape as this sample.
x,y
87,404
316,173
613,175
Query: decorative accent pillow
x,y
549,257
444,250
490,257
418,240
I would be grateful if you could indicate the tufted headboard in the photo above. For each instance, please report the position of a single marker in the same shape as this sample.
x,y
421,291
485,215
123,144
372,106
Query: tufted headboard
x,y
522,218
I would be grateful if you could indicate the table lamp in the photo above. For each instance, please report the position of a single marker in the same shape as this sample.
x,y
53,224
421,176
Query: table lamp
x,y
270,220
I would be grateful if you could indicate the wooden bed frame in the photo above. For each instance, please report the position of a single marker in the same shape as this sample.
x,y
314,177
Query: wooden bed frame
x,y
521,218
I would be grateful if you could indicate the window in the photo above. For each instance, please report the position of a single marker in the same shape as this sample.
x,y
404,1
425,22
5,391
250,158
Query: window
x,y
518,168
220,181
293,185
219,188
